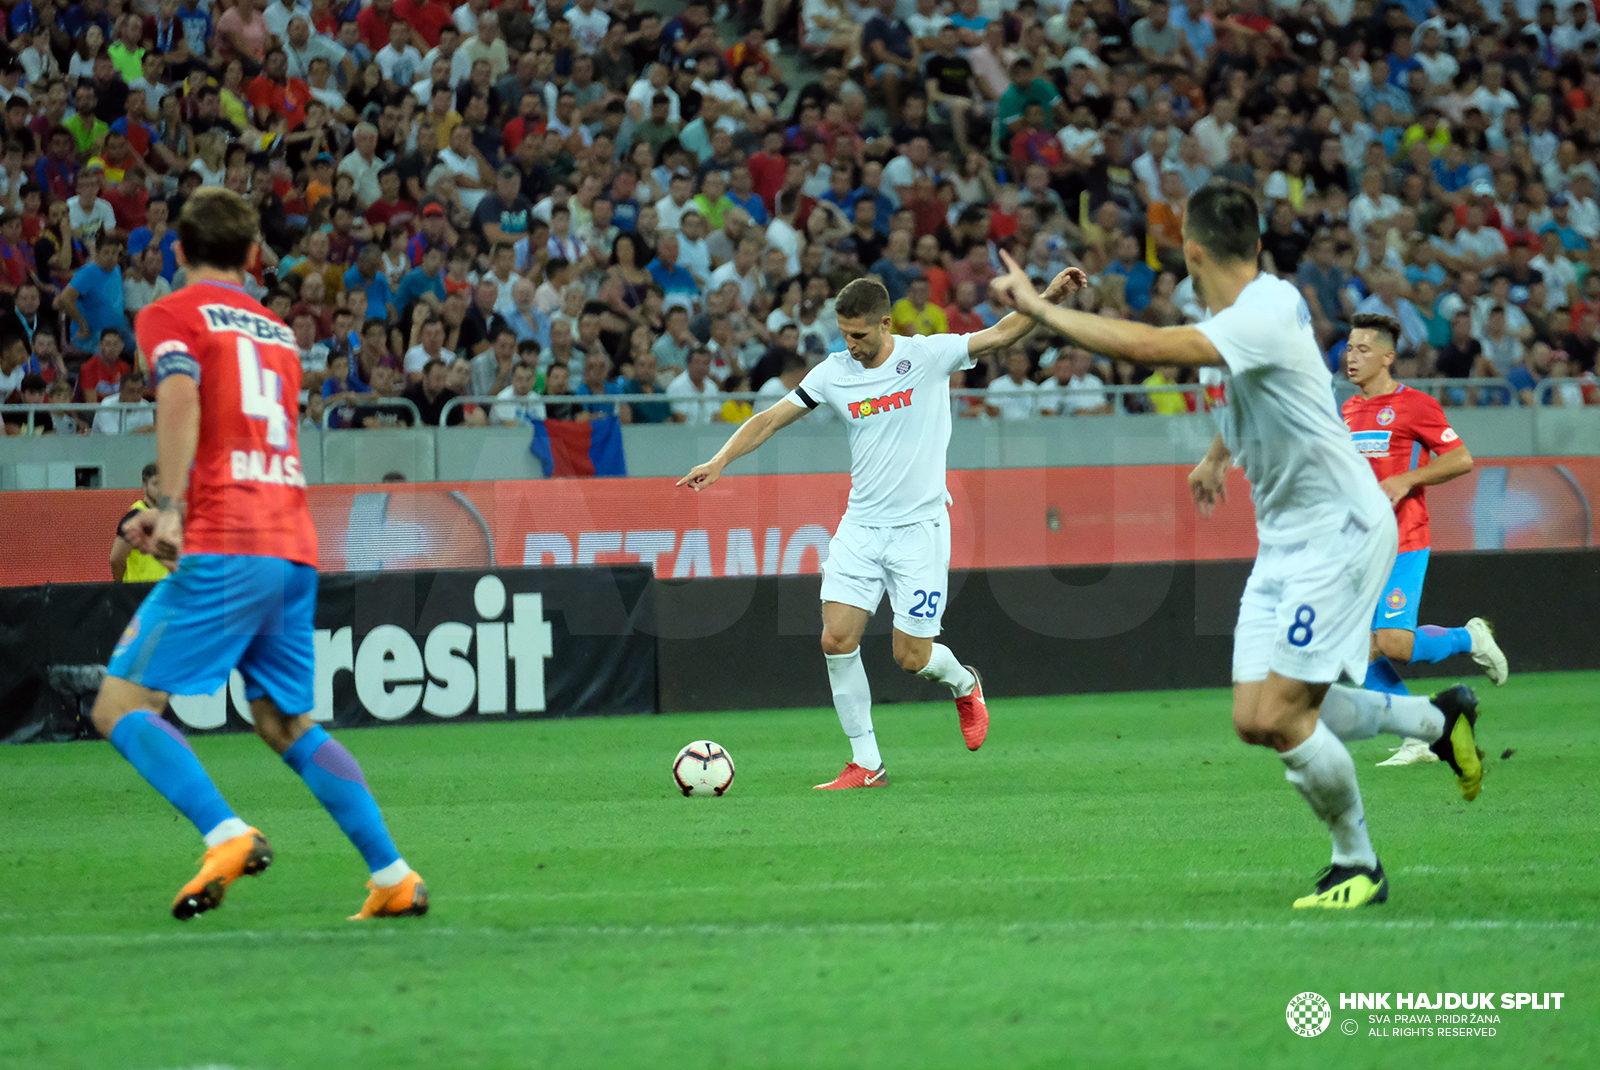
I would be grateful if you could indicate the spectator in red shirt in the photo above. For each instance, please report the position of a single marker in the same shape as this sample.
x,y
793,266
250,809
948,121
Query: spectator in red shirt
x,y
426,18
373,22
390,212
273,92
129,199
529,120
960,316
750,52
768,167
101,375
16,255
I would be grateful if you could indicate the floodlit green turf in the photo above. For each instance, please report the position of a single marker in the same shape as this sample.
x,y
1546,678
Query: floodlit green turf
x,y
1107,883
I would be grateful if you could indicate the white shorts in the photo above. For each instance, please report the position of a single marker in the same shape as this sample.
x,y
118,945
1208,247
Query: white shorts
x,y
1306,612
911,562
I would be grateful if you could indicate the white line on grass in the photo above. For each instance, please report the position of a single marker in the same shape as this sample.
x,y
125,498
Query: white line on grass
x,y
908,928
654,891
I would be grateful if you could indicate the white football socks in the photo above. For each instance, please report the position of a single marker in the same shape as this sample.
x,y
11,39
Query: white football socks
x,y
852,697
943,667
1323,772
226,830
392,874
1354,713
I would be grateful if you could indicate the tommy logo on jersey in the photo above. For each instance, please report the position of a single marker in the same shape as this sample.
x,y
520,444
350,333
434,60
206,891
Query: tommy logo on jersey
x,y
1372,443
896,400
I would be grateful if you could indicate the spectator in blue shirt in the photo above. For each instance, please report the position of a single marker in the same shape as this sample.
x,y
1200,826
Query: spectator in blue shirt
x,y
891,53
673,278
368,274
1571,240
427,278
1383,91
156,232
597,382
1138,276
93,299
895,267
741,191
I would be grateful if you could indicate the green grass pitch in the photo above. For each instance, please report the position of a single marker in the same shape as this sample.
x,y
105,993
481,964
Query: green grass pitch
x,y
1106,884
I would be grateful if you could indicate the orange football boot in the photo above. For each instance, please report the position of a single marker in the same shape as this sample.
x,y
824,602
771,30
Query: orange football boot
x,y
249,853
408,899
855,776
974,713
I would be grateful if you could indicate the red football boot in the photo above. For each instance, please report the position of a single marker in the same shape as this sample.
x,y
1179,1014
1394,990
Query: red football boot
x,y
974,713
854,776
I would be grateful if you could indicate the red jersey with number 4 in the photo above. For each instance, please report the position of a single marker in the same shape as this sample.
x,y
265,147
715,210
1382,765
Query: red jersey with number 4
x,y
1394,432
246,493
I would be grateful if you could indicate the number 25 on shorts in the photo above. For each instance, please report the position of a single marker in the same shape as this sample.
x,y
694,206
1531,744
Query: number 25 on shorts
x,y
1300,630
927,604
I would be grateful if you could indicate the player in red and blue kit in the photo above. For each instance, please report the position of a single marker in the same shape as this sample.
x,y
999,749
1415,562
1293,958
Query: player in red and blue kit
x,y
1396,428
245,590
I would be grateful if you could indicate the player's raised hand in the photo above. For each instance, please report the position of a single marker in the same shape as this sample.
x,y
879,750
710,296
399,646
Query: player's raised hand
x,y
1014,287
701,476
1208,485
1064,285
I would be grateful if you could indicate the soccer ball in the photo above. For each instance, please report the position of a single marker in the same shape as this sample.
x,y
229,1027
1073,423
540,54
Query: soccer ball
x,y
702,768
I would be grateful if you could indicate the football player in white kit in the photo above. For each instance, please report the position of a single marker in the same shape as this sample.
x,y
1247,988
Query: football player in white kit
x,y
893,394
1327,534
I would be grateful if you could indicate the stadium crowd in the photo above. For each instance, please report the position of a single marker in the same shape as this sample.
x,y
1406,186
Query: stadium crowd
x,y
554,198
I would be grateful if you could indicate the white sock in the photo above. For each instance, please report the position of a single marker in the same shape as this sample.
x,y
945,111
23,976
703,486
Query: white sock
x,y
392,874
1323,772
852,697
1354,713
943,667
226,830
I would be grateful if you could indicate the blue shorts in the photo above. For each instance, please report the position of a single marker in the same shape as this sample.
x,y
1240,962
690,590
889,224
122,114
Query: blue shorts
x,y
221,612
1397,608
884,70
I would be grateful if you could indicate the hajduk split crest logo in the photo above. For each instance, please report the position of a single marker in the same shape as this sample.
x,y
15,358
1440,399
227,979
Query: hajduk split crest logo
x,y
1309,1014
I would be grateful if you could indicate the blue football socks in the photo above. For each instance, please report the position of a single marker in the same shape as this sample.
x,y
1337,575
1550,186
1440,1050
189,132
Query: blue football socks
x,y
1433,643
1382,677
163,757
335,779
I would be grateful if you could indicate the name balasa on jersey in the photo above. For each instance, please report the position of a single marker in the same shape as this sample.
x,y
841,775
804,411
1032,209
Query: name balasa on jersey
x,y
897,400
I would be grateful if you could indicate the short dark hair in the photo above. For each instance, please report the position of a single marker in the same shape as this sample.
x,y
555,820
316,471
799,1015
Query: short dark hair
x,y
1387,327
107,330
1224,218
862,299
216,228
151,469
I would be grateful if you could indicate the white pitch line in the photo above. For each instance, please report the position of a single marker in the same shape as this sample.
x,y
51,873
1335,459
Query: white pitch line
x,y
982,881
913,928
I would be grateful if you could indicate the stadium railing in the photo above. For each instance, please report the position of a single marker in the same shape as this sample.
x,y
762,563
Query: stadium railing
x,y
78,410
423,453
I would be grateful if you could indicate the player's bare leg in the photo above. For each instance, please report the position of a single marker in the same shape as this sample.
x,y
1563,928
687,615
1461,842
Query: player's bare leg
x,y
129,715
335,779
934,661
1283,714
842,627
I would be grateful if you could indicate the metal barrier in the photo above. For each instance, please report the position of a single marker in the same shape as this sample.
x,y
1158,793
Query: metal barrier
x,y
421,453
80,410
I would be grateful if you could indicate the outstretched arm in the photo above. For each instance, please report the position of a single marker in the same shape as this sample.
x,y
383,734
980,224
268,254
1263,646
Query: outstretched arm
x,y
1114,338
751,434
1017,325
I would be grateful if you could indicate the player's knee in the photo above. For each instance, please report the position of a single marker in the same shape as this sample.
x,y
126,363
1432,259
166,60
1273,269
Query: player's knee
x,y
911,659
105,716
834,645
